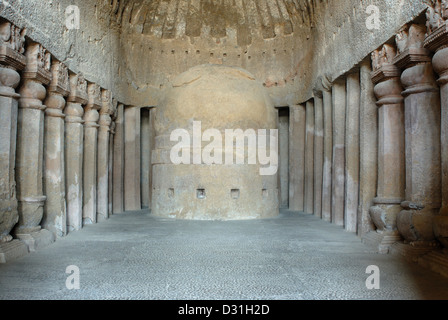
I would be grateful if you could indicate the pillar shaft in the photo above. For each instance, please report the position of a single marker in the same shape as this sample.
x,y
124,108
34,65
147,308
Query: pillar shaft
x,y
74,137
132,192
91,117
352,152
318,154
309,158
368,145
438,43
11,60
327,173
30,147
338,179
103,156
422,123
118,165
55,215
146,158
297,136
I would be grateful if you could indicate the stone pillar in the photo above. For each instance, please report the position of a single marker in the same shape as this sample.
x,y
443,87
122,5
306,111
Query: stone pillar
x,y
391,147
283,151
118,165
309,158
338,179
74,137
11,61
55,214
152,143
113,115
437,41
327,173
352,152
422,123
91,117
132,193
297,135
318,152
30,145
368,149
146,157
103,156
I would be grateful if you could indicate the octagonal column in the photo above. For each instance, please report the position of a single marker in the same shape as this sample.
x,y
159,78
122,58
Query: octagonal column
x,y
118,165
91,117
437,41
11,61
338,178
422,121
105,121
74,138
30,138
391,147
55,214
113,125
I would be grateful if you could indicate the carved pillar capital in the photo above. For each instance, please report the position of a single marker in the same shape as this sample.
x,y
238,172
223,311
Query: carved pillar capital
x,y
91,115
36,74
11,57
386,76
415,60
77,97
58,89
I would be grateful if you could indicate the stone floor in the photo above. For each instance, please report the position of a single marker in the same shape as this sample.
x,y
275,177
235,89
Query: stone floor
x,y
137,256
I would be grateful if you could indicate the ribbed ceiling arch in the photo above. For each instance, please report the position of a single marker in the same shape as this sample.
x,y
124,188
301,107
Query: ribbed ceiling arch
x,y
249,19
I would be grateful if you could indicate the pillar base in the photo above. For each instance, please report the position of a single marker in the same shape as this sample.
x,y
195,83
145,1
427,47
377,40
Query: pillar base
x,y
382,240
436,260
412,251
384,213
440,227
37,240
416,225
12,250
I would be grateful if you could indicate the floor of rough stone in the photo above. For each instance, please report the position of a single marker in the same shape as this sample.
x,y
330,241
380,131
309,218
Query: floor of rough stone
x,y
137,256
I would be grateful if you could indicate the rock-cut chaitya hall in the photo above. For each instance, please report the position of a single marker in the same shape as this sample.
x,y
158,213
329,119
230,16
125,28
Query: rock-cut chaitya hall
x,y
225,113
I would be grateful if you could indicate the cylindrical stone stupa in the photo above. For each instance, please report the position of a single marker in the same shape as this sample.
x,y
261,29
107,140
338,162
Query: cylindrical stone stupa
x,y
216,153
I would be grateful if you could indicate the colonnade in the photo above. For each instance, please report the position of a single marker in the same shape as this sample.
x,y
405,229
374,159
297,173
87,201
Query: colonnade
x,y
382,169
61,147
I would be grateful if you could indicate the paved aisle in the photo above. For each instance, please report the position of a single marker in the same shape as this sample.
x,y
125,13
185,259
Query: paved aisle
x,y
137,256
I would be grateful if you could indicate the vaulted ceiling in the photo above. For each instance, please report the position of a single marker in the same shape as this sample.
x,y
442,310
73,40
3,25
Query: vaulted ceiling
x,y
249,19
